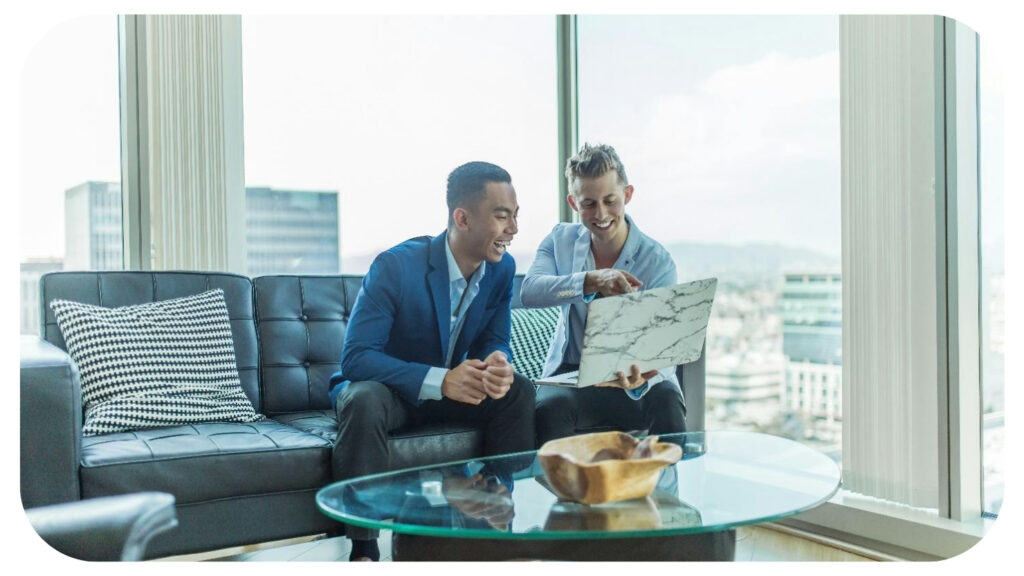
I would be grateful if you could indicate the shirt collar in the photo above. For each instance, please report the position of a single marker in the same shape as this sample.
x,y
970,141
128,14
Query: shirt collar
x,y
632,244
454,274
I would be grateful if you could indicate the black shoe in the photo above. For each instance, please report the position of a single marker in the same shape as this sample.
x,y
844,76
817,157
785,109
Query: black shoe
x,y
364,549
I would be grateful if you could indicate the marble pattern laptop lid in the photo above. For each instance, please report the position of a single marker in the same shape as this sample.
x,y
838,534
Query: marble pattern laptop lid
x,y
653,329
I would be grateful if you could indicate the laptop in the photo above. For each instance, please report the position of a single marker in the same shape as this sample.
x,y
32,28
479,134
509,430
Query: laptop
x,y
653,329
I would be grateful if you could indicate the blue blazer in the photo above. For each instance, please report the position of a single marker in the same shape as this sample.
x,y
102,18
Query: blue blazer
x,y
400,322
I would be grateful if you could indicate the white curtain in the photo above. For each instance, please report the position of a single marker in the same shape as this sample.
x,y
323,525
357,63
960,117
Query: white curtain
x,y
890,98
196,179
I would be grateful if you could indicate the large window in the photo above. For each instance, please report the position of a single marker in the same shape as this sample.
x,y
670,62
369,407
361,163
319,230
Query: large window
x,y
71,194
728,127
992,321
353,123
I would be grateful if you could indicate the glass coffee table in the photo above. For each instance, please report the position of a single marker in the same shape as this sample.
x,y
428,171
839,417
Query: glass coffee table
x,y
500,508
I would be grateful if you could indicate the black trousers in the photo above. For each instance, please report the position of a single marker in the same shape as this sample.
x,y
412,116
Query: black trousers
x,y
563,411
368,411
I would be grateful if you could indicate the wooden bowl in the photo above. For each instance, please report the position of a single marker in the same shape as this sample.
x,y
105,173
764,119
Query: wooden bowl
x,y
596,468
635,514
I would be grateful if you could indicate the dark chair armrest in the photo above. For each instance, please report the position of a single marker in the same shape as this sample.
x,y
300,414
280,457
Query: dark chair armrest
x,y
51,424
692,381
107,528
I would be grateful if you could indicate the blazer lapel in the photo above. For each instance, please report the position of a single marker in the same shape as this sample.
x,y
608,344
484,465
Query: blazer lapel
x,y
437,279
580,248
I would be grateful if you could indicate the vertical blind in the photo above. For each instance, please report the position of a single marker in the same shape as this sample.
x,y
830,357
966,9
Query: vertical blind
x,y
890,138
194,153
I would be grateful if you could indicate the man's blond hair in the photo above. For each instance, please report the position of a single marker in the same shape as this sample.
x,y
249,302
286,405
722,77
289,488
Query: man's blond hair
x,y
594,161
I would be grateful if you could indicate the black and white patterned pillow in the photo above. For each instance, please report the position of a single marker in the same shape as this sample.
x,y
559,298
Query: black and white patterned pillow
x,y
152,365
532,331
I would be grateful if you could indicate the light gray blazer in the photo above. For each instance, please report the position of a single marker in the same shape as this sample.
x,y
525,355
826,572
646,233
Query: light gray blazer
x,y
556,279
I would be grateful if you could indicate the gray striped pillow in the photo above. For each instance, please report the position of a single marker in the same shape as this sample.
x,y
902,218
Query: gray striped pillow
x,y
153,365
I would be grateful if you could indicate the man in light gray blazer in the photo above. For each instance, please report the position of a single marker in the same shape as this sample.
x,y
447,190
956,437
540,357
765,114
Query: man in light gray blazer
x,y
603,255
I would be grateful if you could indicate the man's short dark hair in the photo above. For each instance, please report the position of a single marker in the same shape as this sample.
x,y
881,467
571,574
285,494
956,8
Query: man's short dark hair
x,y
594,161
467,184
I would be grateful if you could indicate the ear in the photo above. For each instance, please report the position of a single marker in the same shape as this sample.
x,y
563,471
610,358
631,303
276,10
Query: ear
x,y
572,202
628,192
461,218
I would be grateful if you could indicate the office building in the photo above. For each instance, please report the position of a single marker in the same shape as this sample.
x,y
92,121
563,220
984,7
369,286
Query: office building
x,y
92,227
744,361
31,271
287,231
291,232
812,342
743,389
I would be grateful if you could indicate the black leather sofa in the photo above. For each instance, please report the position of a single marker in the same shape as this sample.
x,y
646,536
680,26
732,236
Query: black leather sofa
x,y
105,529
233,483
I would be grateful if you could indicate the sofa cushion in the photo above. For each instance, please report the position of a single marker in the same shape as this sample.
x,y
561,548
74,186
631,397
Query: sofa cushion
x,y
153,365
203,462
532,330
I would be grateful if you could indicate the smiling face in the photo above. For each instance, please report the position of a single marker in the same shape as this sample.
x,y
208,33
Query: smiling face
x,y
484,231
601,204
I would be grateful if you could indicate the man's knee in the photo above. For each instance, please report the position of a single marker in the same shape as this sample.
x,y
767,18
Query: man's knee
x,y
667,393
522,391
664,403
555,402
363,401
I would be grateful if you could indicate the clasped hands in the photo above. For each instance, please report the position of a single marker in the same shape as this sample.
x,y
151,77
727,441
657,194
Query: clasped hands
x,y
479,498
474,380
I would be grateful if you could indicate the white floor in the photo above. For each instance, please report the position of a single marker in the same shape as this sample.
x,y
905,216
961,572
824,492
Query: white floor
x,y
753,544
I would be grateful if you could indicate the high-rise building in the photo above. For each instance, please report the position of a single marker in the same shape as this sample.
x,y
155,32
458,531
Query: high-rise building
x,y
291,232
742,390
287,231
744,367
92,227
812,342
31,271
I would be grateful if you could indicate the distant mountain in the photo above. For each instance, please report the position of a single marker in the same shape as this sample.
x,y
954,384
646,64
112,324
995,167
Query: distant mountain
x,y
746,263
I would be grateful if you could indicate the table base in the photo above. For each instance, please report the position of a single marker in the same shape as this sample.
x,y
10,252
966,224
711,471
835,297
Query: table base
x,y
708,546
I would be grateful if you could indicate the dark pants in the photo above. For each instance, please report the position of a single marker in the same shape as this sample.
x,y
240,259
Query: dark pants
x,y
563,411
369,411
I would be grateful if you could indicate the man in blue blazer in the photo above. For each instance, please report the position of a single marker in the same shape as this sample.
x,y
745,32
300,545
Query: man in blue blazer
x,y
605,254
428,339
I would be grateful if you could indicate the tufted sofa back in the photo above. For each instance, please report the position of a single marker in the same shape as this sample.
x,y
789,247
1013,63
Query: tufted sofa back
x,y
302,322
288,330
113,289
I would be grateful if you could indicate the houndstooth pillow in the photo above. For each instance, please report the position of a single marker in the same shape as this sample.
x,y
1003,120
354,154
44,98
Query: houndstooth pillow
x,y
532,330
152,365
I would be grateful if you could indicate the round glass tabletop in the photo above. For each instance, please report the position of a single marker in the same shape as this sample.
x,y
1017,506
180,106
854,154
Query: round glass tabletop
x,y
725,479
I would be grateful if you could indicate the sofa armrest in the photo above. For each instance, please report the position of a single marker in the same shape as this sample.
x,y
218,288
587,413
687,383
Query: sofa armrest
x,y
51,424
108,528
